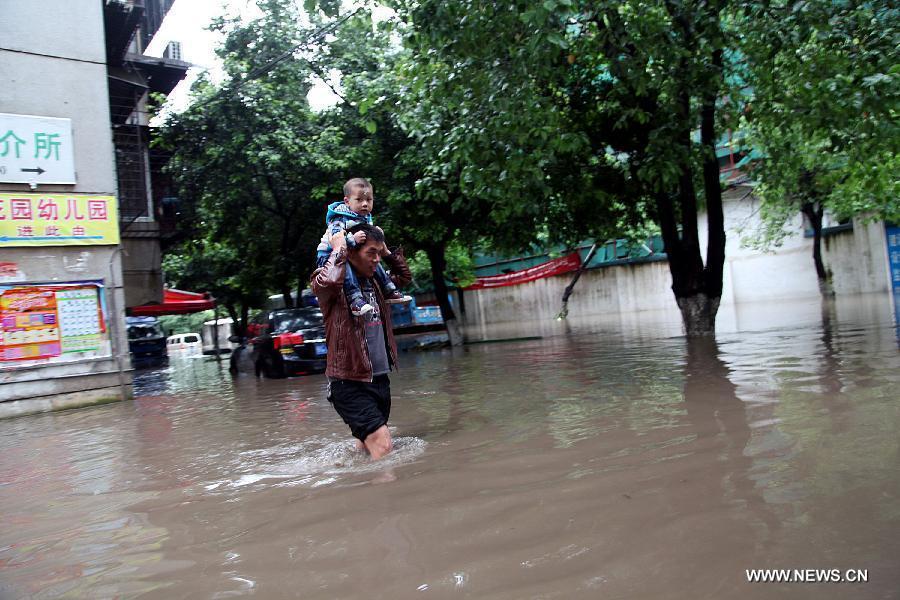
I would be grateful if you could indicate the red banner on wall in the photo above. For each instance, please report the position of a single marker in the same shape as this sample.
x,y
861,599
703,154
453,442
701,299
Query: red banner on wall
x,y
557,266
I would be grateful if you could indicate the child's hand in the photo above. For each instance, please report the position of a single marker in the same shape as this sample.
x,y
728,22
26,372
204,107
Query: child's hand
x,y
338,241
360,237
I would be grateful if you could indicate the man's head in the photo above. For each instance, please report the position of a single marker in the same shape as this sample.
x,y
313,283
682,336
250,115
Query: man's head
x,y
359,196
365,257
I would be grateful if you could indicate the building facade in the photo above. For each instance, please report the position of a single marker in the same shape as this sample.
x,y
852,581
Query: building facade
x,y
133,77
64,227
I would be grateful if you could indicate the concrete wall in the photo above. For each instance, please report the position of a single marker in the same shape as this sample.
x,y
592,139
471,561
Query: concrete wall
x,y
142,263
54,64
856,257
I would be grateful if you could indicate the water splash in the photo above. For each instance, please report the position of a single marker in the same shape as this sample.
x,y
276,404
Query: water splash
x,y
314,462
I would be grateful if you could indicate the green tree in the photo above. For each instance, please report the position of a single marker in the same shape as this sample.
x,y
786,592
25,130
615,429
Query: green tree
x,y
821,94
579,116
254,165
217,268
417,206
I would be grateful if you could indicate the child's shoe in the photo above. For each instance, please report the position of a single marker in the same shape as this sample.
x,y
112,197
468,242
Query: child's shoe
x,y
397,297
360,307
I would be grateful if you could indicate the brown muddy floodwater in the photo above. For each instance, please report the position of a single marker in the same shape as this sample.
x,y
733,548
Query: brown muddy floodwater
x,y
609,459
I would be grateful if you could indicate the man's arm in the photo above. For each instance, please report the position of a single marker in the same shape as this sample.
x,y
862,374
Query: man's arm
x,y
327,281
400,273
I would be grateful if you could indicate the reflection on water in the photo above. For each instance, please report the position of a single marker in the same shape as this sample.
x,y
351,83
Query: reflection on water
x,y
612,458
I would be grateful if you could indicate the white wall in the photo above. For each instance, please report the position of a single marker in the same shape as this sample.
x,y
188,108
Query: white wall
x,y
69,28
857,259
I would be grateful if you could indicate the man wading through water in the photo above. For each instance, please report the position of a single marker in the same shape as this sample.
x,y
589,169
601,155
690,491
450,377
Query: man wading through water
x,y
361,350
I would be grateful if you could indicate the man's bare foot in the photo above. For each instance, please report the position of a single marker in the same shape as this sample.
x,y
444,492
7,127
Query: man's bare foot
x,y
358,445
379,443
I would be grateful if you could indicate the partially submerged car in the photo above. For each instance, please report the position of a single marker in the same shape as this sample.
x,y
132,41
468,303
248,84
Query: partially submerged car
x,y
287,341
184,344
146,342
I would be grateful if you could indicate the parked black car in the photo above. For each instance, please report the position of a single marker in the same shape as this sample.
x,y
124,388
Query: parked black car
x,y
287,341
146,342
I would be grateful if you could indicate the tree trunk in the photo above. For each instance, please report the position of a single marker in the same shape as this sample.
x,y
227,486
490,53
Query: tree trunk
x,y
216,333
232,313
712,188
571,287
438,268
698,313
462,302
814,211
286,294
691,282
697,289
245,316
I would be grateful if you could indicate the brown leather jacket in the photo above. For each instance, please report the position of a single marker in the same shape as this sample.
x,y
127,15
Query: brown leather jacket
x,y
348,355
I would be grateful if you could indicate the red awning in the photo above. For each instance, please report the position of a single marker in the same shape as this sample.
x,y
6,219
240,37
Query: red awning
x,y
175,302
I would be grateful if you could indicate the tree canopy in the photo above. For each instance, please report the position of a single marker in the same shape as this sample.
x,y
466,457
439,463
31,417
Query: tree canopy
x,y
577,119
510,123
819,102
255,166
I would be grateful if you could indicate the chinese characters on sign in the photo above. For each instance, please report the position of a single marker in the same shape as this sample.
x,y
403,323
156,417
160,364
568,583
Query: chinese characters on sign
x,y
36,149
57,220
52,323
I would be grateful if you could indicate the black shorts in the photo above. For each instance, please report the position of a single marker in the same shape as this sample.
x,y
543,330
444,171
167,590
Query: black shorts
x,y
363,406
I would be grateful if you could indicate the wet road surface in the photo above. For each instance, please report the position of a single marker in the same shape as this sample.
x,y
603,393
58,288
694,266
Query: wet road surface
x,y
610,459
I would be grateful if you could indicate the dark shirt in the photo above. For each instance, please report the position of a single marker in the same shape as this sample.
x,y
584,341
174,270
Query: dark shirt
x,y
375,331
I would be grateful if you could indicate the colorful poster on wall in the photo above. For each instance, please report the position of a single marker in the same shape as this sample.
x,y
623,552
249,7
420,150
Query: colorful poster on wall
x,y
58,220
52,322
30,324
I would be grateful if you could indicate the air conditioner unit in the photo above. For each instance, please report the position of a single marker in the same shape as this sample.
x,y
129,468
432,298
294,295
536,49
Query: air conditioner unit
x,y
173,51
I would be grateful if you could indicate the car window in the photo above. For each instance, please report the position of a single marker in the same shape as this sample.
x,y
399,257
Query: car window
x,y
190,339
294,320
143,332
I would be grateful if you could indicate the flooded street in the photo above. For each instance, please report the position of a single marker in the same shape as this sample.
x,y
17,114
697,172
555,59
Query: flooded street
x,y
609,459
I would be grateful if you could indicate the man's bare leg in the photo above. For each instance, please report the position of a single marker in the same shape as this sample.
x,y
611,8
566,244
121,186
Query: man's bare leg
x,y
358,445
379,443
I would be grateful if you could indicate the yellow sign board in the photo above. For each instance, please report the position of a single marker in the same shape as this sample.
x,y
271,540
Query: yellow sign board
x,y
58,220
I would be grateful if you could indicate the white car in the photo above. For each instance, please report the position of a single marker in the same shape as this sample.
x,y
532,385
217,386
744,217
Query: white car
x,y
184,344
